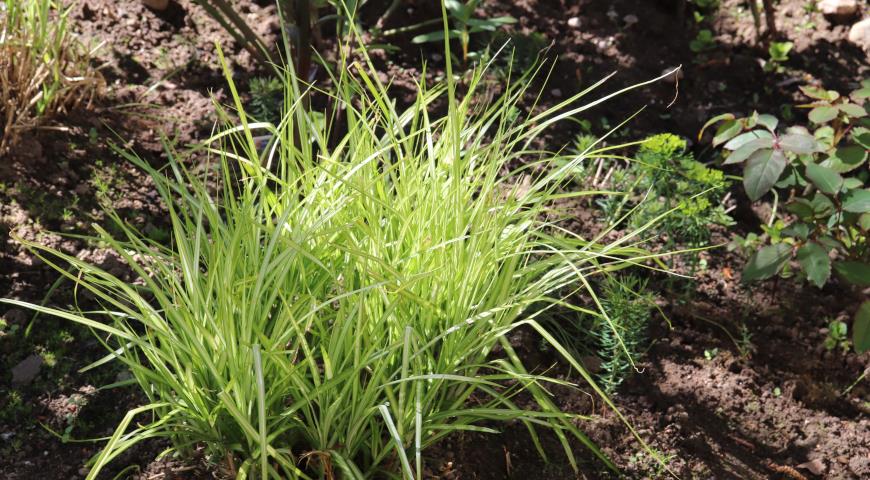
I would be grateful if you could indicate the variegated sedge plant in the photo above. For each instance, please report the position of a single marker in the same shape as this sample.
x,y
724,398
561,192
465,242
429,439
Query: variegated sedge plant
x,y
334,307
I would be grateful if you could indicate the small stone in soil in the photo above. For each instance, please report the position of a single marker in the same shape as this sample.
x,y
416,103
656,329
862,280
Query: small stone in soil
x,y
26,370
838,10
859,34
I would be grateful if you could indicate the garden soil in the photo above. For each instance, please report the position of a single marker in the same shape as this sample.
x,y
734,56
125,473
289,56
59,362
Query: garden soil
x,y
737,382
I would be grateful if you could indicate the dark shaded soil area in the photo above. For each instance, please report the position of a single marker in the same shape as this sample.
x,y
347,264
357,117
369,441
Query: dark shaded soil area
x,y
736,385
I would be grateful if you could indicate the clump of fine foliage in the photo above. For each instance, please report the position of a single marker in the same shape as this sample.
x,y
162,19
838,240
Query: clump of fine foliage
x,y
664,176
44,68
267,98
621,341
331,308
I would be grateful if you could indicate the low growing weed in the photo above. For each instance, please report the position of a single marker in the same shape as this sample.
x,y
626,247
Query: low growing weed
x,y
838,336
331,309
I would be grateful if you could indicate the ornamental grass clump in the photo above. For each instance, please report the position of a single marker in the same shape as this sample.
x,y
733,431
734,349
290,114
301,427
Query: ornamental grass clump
x,y
336,299
44,68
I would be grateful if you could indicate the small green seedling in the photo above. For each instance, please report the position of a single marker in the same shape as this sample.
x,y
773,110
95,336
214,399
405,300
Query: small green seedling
x,y
267,95
745,347
778,55
703,42
837,336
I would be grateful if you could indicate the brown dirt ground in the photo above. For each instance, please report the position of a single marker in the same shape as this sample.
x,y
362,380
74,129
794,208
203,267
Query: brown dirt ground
x,y
774,411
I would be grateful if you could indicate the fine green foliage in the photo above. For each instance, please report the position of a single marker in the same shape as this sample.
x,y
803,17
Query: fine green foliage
x,y
44,68
329,303
703,8
629,305
665,176
267,99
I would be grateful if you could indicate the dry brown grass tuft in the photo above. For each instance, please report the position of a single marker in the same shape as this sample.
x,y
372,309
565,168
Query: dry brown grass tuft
x,y
45,71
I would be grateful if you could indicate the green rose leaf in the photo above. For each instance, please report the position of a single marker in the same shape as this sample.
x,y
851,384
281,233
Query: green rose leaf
x,y
861,328
830,242
766,262
747,149
857,201
762,171
845,159
815,92
823,114
791,178
727,131
800,230
801,207
797,143
827,180
851,182
768,121
743,138
716,119
814,259
863,92
822,205
852,110
856,273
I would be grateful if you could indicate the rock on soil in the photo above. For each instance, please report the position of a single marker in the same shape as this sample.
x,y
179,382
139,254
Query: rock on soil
x,y
859,34
840,10
26,370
